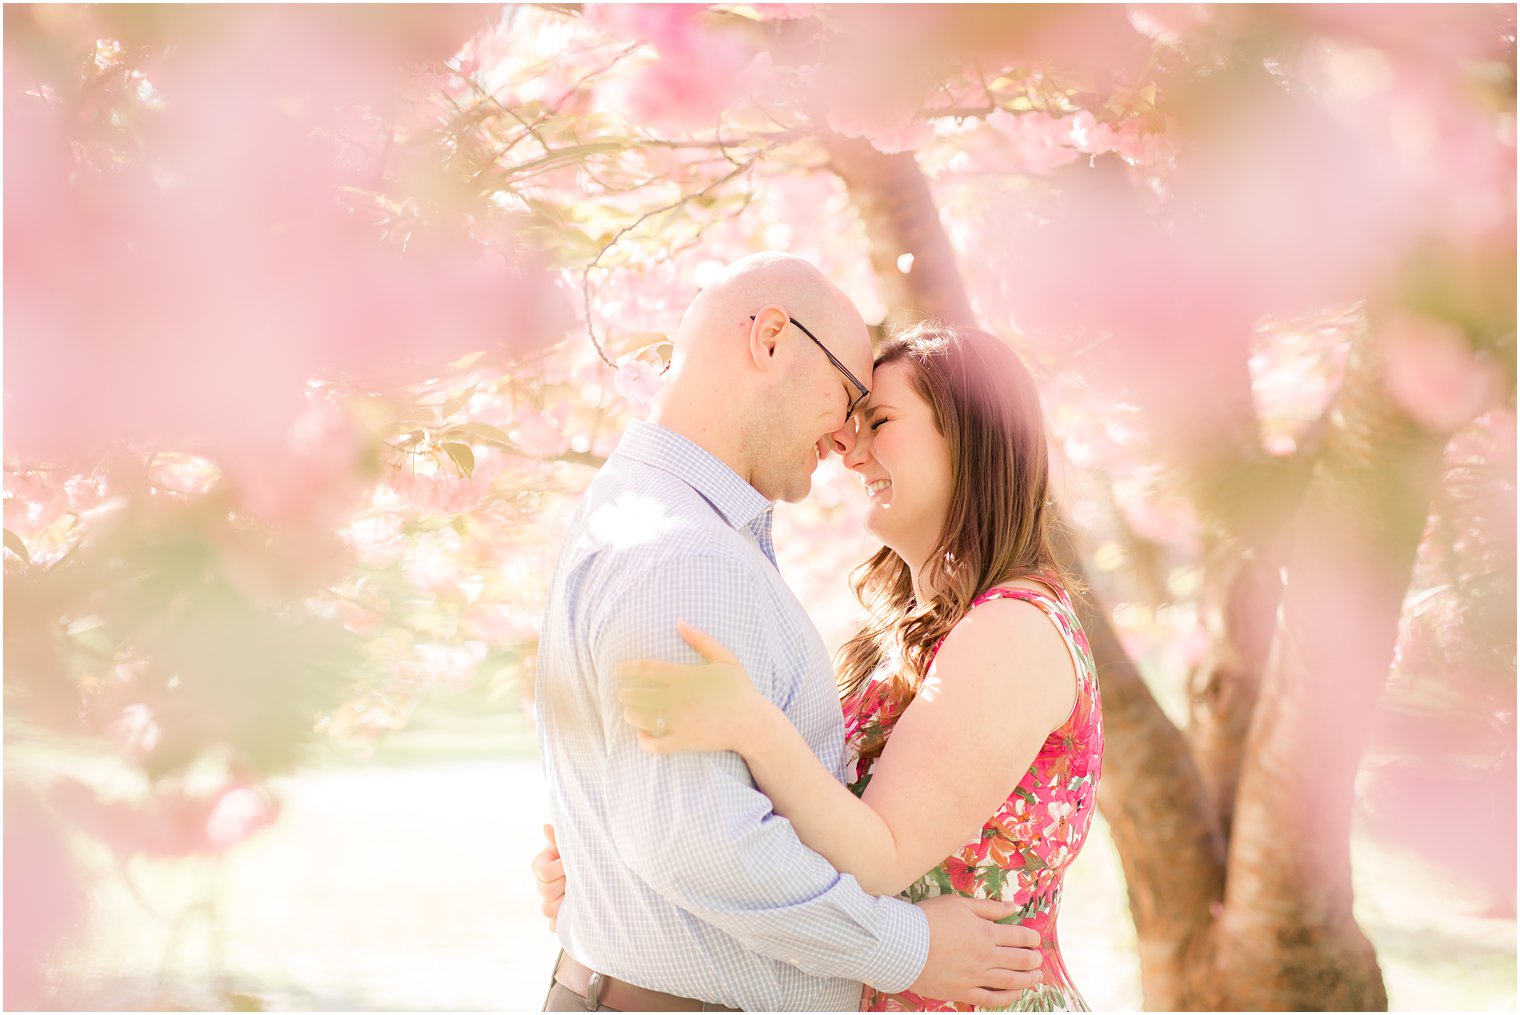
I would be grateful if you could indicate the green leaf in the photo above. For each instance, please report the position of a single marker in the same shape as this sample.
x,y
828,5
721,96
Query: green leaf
x,y
14,544
243,1002
463,457
638,342
483,431
459,401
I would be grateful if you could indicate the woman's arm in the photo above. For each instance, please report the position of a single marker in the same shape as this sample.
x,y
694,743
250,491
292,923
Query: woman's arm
x,y
1002,681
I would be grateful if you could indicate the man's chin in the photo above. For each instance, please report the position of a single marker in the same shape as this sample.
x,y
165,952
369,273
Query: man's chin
x,y
799,496
797,491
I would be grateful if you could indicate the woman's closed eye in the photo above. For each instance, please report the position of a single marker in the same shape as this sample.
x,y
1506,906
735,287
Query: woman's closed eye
x,y
877,424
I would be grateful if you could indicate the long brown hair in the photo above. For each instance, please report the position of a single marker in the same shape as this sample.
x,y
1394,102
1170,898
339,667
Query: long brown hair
x,y
1000,522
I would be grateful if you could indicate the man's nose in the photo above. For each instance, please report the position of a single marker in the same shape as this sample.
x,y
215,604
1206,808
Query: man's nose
x,y
842,441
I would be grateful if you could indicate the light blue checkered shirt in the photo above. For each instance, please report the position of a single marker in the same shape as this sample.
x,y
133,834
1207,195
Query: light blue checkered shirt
x,y
681,879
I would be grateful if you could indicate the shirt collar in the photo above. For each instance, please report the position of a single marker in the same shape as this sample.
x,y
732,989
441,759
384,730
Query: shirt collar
x,y
740,505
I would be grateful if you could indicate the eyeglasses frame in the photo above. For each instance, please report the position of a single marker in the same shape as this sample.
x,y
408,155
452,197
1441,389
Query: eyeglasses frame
x,y
865,392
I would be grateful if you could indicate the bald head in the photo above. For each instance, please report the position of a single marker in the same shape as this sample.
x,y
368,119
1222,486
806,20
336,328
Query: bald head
x,y
749,385
772,277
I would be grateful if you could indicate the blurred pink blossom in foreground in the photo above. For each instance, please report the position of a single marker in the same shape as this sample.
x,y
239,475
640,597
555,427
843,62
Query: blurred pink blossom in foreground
x,y
172,821
698,73
1435,375
186,299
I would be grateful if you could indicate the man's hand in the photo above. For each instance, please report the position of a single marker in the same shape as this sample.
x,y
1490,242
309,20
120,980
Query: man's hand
x,y
974,959
549,869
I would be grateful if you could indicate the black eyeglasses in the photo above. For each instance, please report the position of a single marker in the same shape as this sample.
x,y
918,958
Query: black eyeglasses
x,y
864,391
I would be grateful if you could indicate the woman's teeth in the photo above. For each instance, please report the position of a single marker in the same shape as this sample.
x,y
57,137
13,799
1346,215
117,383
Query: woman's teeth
x,y
875,487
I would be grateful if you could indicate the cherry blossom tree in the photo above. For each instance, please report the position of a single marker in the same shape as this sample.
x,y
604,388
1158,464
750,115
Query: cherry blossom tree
x,y
320,320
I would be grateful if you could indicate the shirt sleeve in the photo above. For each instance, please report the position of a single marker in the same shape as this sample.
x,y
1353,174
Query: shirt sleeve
x,y
694,826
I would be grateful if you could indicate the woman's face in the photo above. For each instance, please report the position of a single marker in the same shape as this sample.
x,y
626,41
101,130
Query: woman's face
x,y
904,462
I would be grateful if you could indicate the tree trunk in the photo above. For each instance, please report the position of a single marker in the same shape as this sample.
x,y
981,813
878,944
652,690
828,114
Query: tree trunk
x,y
1223,689
1287,938
1163,823
1249,504
900,217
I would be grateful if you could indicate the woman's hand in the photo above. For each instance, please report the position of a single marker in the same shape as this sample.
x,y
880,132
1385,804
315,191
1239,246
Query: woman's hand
x,y
674,707
549,871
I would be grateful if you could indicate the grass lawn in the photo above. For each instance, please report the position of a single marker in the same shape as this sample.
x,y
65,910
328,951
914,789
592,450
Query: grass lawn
x,y
401,883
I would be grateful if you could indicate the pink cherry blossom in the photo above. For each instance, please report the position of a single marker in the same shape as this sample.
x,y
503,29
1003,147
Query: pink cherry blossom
x,y
228,258
538,434
910,138
1040,142
638,382
699,71
171,821
45,896
238,813
137,733
1086,134
31,503
1169,24
1435,375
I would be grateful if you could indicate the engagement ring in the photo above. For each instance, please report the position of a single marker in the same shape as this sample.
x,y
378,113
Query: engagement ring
x,y
659,726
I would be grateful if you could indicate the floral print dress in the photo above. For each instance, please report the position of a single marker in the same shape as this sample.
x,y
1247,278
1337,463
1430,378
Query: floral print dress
x,y
1022,853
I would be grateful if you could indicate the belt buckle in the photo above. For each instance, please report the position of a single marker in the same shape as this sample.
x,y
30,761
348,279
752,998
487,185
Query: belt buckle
x,y
594,992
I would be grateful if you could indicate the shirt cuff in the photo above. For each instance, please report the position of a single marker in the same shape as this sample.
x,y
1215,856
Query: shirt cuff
x,y
904,949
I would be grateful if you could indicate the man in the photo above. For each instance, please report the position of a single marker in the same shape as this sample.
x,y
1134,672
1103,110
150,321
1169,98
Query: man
x,y
688,892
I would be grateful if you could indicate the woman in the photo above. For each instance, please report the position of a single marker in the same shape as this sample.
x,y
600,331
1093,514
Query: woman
x,y
970,691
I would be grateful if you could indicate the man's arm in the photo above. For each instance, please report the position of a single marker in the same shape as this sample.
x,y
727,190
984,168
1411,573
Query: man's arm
x,y
694,826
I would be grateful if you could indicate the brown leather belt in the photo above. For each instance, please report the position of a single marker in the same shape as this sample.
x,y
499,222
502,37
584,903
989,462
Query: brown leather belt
x,y
601,990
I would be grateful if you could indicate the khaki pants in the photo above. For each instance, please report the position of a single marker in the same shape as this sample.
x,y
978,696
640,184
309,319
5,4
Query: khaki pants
x,y
562,998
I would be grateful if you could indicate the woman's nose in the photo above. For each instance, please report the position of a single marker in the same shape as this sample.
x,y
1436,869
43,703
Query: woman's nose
x,y
859,450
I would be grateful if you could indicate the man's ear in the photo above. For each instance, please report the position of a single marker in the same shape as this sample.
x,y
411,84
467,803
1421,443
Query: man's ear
x,y
766,327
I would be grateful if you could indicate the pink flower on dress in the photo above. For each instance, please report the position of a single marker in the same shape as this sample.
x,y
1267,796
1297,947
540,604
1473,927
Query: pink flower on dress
x,y
975,852
1027,845
1057,812
962,875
